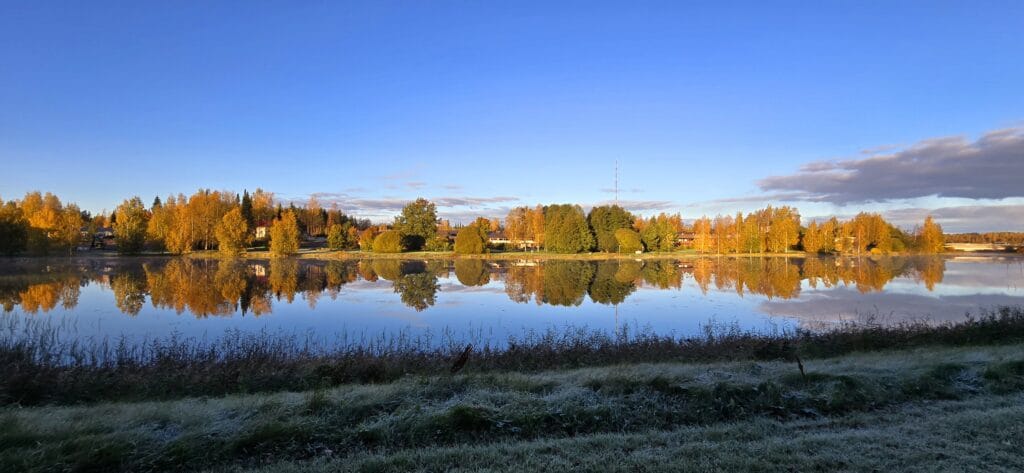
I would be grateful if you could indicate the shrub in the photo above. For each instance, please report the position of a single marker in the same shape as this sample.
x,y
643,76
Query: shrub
x,y
469,241
388,242
439,243
628,240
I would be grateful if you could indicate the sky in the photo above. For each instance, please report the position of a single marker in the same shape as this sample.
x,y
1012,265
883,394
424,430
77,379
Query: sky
x,y
905,107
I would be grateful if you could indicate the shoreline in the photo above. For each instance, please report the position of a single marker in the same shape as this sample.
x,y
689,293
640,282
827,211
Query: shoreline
x,y
348,255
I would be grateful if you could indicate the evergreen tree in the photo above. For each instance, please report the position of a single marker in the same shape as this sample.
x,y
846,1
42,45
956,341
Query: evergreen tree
x,y
604,221
337,237
247,210
566,229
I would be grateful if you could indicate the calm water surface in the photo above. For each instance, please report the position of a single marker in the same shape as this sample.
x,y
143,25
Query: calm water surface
x,y
139,298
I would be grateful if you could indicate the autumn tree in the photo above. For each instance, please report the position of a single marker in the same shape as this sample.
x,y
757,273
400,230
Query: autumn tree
x,y
417,223
702,235
722,234
811,240
232,233
783,229
604,221
737,233
827,235
366,238
537,225
131,225
43,214
263,206
517,226
753,232
284,235
68,233
161,222
180,238
931,239
313,217
205,210
868,232
524,224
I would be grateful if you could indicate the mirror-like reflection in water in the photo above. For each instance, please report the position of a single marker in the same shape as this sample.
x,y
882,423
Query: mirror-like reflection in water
x,y
155,297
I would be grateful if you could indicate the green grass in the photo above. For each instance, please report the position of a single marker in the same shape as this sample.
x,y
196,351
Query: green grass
x,y
927,409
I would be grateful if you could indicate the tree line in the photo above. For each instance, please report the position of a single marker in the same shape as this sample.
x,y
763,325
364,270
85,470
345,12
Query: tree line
x,y
231,223
1009,238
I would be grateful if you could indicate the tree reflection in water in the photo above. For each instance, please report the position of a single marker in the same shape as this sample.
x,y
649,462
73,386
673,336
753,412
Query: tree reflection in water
x,y
207,288
472,272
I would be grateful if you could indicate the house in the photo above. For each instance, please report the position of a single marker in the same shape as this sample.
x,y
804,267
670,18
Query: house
x,y
262,230
500,238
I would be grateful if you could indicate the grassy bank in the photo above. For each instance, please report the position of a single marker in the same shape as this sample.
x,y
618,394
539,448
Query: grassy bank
x,y
39,366
923,409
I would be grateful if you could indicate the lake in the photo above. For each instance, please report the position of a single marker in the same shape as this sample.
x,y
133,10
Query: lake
x,y
489,301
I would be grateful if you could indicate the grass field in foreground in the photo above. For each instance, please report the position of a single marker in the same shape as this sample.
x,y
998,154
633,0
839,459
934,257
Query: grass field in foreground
x,y
926,409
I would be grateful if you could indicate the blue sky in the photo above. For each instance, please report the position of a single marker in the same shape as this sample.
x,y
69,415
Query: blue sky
x,y
487,105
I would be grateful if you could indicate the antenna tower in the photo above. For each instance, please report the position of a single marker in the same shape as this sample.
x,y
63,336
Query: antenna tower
x,y
616,182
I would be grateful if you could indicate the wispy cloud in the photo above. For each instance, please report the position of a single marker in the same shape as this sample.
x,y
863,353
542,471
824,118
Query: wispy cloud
x,y
456,208
632,190
470,201
641,205
988,168
759,199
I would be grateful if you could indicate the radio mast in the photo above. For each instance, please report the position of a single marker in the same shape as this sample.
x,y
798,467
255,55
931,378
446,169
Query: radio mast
x,y
616,182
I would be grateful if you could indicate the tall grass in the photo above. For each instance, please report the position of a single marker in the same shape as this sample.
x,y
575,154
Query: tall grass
x,y
43,363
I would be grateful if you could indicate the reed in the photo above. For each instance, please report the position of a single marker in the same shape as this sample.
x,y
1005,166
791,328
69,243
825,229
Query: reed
x,y
44,363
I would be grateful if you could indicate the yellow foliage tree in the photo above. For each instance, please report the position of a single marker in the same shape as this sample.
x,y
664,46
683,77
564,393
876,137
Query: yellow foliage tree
x,y
284,235
702,235
932,239
130,227
231,233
